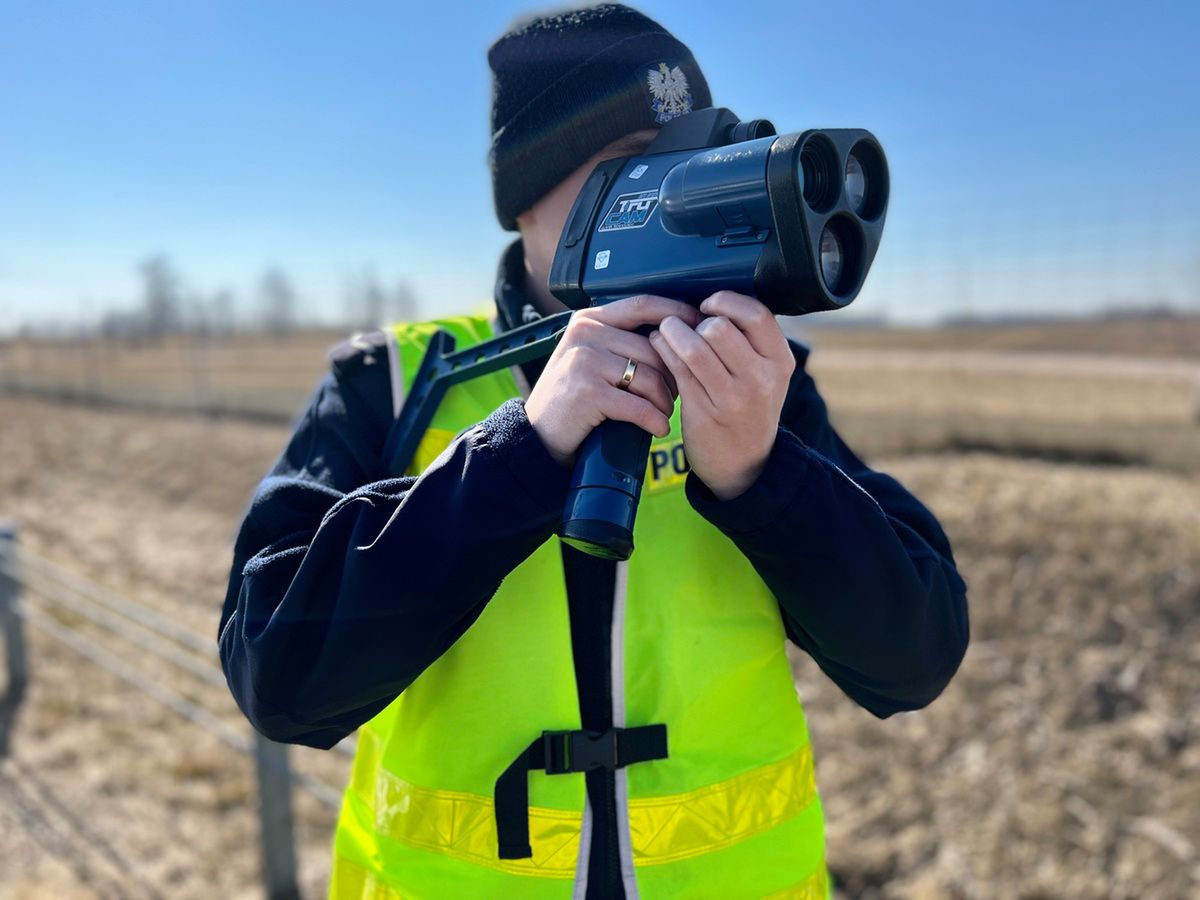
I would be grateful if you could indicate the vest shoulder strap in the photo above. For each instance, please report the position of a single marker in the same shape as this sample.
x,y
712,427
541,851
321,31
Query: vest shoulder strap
x,y
418,434
408,341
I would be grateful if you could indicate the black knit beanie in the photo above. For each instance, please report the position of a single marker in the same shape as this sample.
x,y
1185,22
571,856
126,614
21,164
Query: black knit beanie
x,y
568,84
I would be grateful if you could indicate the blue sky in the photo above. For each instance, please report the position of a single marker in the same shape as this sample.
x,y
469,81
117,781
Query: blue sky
x,y
1043,155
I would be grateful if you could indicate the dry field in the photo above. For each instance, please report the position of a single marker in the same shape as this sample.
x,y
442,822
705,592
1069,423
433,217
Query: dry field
x,y
245,374
1064,759
1162,336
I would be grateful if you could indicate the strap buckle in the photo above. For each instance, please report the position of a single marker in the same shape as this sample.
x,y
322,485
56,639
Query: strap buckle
x,y
579,751
561,752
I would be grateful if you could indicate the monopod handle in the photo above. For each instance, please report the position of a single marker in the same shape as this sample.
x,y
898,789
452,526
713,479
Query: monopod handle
x,y
606,484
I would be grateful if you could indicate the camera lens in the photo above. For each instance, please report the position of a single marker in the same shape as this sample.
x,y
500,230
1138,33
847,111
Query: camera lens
x,y
866,181
831,259
856,183
818,173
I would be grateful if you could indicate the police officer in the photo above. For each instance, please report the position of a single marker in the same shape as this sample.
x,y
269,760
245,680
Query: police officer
x,y
535,722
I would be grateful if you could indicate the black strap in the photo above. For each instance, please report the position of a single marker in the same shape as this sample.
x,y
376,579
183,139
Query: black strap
x,y
560,752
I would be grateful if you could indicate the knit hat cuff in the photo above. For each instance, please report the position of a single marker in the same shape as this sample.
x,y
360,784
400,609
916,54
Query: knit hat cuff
x,y
548,139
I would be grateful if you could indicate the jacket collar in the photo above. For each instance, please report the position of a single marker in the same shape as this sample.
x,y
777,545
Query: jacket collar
x,y
513,307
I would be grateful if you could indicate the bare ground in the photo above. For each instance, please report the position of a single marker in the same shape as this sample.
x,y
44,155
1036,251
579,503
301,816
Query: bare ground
x,y
1064,760
1161,336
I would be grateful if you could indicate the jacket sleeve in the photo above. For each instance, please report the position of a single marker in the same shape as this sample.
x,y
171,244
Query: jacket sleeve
x,y
347,584
862,571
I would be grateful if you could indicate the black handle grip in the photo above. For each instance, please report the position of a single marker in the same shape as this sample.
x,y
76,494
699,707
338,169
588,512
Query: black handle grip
x,y
605,487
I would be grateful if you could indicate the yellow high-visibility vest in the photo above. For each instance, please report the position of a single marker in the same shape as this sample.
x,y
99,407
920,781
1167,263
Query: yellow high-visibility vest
x,y
698,644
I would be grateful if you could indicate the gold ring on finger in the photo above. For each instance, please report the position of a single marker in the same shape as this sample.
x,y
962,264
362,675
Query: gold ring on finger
x,y
627,378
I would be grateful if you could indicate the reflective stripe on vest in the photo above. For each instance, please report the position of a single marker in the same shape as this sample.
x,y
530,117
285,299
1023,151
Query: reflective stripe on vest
x,y
732,812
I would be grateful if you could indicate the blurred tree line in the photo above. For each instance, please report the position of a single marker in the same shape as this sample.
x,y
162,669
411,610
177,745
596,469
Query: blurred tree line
x,y
168,306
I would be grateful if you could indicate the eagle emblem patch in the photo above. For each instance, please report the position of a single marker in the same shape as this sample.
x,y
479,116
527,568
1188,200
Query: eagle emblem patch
x,y
669,92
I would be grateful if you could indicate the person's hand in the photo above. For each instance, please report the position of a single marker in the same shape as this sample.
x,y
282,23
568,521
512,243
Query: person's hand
x,y
732,371
578,388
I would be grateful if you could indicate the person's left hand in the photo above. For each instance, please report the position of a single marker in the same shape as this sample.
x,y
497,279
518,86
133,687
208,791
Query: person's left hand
x,y
732,371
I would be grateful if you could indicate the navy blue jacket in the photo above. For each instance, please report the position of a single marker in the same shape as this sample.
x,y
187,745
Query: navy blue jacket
x,y
347,583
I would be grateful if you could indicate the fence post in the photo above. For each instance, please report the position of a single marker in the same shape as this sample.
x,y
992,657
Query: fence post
x,y
275,818
14,637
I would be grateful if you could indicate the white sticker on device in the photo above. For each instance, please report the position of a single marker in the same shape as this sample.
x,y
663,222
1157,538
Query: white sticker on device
x,y
602,259
638,171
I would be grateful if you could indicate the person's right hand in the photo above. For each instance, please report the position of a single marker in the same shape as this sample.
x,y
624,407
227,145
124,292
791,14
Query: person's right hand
x,y
578,388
